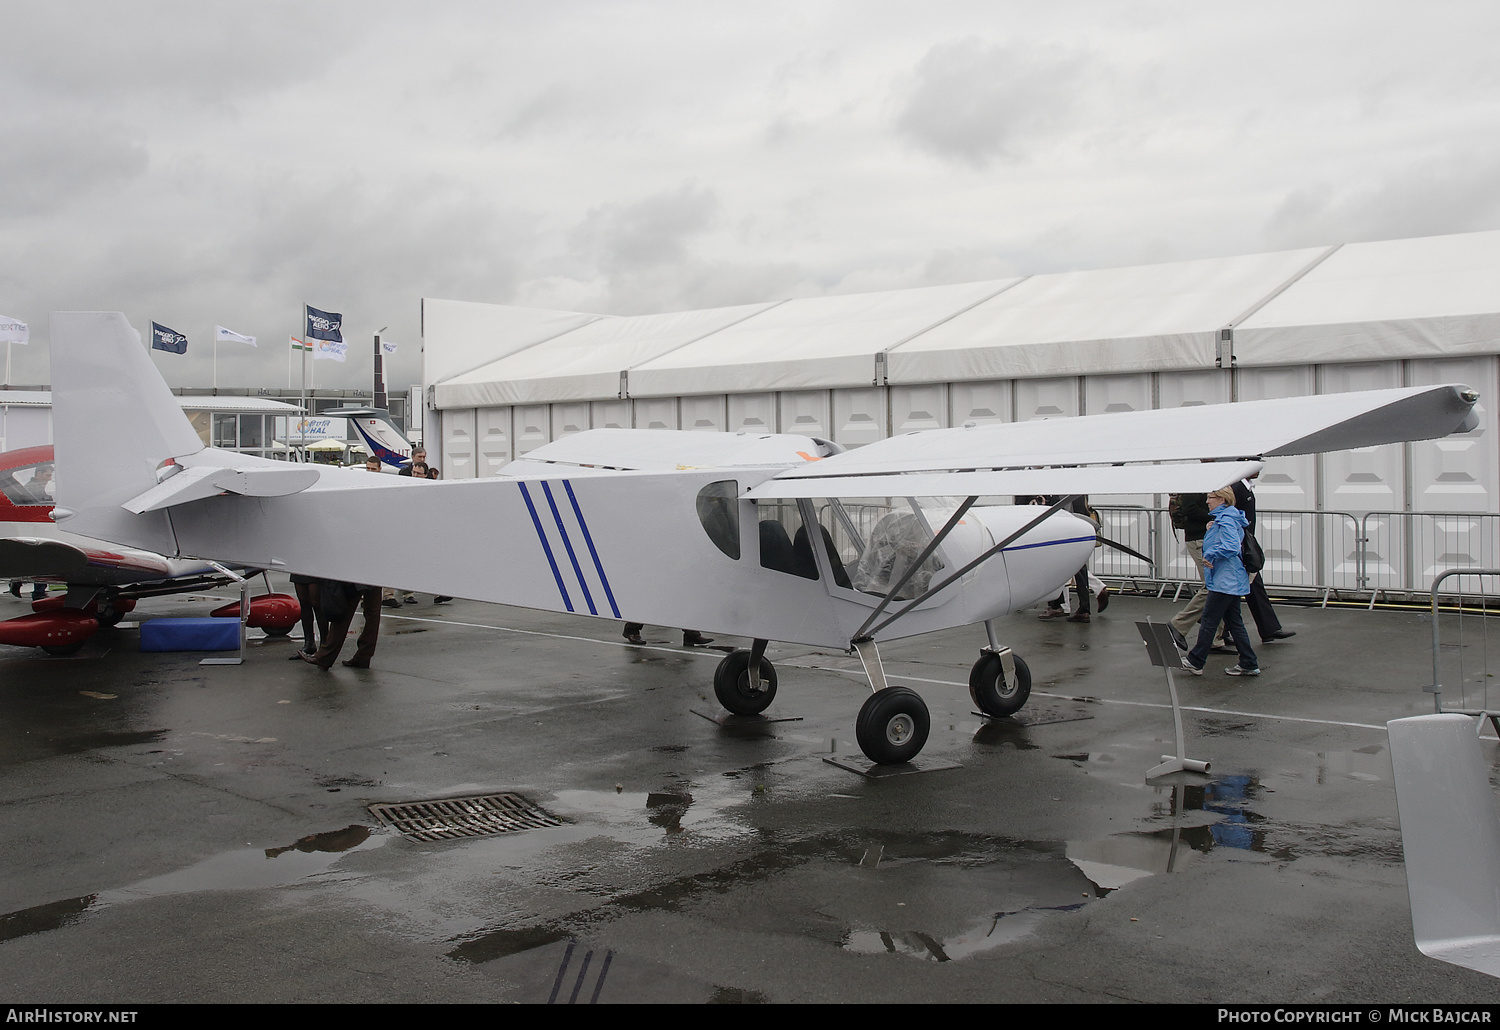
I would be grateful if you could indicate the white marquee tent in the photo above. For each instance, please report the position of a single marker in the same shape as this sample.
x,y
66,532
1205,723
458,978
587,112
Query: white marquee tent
x,y
855,368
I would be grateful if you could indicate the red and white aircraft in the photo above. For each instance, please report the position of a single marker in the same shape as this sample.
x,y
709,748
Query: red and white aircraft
x,y
104,580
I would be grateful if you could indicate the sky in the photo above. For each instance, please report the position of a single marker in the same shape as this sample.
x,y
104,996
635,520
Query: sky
x,y
223,162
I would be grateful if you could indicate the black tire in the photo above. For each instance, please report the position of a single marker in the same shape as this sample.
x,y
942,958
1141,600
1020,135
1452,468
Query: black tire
x,y
732,684
892,726
107,614
63,650
273,631
989,691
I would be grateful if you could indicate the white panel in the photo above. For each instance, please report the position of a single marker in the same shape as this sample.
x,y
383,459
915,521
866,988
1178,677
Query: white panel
x,y
805,412
532,427
1185,389
752,412
458,444
1046,398
569,418
1456,474
858,416
704,414
1105,395
656,413
1289,484
1370,478
611,414
918,407
492,427
980,403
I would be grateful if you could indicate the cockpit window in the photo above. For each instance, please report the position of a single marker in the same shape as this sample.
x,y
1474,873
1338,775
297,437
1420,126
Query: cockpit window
x,y
784,542
28,485
719,511
873,541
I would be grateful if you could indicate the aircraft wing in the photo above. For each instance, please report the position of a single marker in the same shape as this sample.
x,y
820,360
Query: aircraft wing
x,y
1128,452
41,558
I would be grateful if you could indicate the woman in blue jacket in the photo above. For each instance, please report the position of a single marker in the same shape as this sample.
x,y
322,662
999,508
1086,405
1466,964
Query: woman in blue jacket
x,y
1227,581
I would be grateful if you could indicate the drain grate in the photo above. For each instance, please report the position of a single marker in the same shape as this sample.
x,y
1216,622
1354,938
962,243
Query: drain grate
x,y
481,815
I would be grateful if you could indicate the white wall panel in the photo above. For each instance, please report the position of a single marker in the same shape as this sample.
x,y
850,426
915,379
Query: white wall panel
x,y
981,402
918,407
1370,478
1046,398
705,414
1287,484
1185,389
805,412
859,416
1104,395
610,414
1457,473
569,418
752,412
492,430
458,443
655,412
532,427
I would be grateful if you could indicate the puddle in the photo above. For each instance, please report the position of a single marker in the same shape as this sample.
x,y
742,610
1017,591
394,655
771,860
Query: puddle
x,y
242,869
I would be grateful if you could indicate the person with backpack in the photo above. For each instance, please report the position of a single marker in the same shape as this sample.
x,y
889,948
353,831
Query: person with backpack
x,y
1227,582
1257,601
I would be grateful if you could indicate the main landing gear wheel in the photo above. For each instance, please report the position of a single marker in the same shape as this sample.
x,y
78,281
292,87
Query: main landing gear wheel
x,y
732,684
892,726
990,691
63,650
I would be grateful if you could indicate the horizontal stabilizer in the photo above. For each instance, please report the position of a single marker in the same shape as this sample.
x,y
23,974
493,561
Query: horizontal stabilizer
x,y
1088,479
194,484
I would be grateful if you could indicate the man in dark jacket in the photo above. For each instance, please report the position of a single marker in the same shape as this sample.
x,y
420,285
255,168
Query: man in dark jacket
x,y
1266,621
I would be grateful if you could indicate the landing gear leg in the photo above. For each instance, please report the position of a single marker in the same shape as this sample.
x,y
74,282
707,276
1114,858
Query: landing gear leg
x,y
1000,682
893,722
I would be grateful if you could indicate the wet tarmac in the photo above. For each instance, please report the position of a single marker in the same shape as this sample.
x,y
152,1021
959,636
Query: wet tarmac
x,y
173,832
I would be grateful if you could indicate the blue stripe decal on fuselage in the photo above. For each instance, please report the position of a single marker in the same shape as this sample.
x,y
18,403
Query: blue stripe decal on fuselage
x,y
577,569
1052,543
546,547
588,538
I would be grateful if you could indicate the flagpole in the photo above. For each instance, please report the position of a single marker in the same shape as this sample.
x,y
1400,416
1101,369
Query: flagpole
x,y
303,428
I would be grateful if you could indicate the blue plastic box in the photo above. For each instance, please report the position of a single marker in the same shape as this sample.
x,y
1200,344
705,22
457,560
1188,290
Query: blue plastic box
x,y
190,635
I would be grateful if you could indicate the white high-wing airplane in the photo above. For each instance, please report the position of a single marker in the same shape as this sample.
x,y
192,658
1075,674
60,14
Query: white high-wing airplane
x,y
771,537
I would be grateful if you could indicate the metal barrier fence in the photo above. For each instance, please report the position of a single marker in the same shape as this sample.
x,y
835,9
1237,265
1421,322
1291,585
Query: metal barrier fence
x,y
1463,663
1316,552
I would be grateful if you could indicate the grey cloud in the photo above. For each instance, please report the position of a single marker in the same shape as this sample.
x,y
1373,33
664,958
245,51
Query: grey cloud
x,y
973,103
45,166
1449,195
622,238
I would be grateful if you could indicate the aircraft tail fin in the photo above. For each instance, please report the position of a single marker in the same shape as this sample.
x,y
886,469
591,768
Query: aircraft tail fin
x,y
114,422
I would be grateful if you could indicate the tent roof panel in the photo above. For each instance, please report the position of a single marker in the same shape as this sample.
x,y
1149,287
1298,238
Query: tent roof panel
x,y
1082,321
460,335
806,343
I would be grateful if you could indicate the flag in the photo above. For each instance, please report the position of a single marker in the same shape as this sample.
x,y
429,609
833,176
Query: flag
x,y
328,350
13,330
388,346
222,335
299,345
325,325
166,339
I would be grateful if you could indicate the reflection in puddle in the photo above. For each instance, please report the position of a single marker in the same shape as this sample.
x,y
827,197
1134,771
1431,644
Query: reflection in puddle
x,y
235,870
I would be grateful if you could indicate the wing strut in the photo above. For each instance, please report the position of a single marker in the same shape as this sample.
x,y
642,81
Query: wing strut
x,y
862,635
